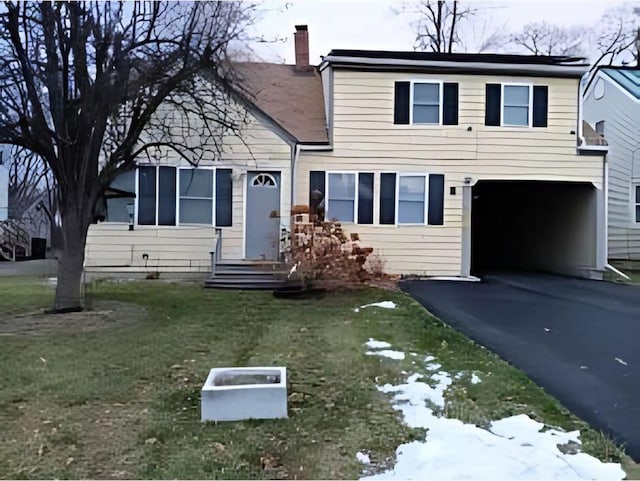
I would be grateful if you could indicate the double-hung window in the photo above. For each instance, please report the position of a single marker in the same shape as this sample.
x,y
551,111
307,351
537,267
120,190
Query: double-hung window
x,y
516,105
341,197
411,198
426,103
117,206
196,196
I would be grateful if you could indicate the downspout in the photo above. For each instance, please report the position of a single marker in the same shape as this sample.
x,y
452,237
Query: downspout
x,y
581,141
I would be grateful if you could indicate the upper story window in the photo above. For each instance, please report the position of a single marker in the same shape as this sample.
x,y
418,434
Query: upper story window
x,y
426,103
516,106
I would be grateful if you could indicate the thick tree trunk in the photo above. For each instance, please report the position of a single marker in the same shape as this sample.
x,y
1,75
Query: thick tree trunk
x,y
70,263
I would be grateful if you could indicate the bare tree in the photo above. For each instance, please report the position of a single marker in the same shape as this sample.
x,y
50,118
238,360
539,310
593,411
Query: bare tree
x,y
30,182
448,26
548,39
91,86
618,36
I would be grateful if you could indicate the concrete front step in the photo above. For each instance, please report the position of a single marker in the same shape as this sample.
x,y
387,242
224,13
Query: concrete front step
x,y
239,273
242,283
247,274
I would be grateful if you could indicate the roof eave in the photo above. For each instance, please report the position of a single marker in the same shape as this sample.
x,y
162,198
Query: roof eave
x,y
570,71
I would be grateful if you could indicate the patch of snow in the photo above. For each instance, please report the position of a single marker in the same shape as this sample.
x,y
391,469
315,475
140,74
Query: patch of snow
x,y
621,361
512,448
414,354
363,458
475,379
432,366
397,355
383,304
356,309
429,359
373,344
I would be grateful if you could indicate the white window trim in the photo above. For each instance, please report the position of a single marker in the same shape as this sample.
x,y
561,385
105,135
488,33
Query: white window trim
x,y
213,196
440,106
530,110
426,197
355,202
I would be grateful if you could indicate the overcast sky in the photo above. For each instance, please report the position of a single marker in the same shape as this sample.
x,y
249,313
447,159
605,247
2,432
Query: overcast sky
x,y
372,24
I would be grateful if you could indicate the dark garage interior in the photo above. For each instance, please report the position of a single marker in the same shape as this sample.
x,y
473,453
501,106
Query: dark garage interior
x,y
533,225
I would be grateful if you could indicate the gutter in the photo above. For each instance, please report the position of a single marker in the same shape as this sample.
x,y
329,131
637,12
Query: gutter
x,y
484,67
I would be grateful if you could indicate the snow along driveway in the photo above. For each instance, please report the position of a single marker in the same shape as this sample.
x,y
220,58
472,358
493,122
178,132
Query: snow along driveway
x,y
511,448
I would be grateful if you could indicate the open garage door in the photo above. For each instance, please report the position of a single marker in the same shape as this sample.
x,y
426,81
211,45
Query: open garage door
x,y
534,225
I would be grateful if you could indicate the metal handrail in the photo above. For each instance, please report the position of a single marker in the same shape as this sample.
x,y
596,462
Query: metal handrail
x,y
216,253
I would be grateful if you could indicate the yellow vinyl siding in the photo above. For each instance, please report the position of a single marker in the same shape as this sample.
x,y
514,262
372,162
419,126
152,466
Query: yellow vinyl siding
x,y
185,248
366,139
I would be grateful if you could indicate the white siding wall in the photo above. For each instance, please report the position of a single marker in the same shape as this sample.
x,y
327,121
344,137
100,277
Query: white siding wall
x,y
111,247
366,139
622,132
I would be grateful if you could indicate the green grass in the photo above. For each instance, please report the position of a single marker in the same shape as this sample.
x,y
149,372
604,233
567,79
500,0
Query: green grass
x,y
123,401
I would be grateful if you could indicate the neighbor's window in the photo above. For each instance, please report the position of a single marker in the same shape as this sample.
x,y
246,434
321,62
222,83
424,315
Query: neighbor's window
x,y
196,196
637,202
411,199
157,195
600,128
341,197
426,103
516,108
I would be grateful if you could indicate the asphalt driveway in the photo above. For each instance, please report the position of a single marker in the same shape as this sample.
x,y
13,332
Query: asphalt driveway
x,y
578,339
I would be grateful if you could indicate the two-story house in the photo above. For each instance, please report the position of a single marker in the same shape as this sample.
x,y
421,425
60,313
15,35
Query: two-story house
x,y
612,107
447,165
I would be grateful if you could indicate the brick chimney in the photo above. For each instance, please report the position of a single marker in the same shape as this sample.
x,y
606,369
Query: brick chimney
x,y
302,47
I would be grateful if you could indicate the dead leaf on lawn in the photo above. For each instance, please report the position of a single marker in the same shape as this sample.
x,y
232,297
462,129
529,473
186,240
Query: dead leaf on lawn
x,y
219,446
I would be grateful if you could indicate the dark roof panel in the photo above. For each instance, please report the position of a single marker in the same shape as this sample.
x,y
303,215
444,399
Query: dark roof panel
x,y
292,97
462,57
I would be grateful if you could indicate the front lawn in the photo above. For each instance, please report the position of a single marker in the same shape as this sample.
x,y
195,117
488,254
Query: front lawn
x,y
114,393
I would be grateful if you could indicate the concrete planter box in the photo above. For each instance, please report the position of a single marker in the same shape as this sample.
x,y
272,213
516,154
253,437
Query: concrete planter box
x,y
236,393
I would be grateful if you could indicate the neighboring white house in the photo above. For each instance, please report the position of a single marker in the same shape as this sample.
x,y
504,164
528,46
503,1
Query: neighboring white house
x,y
612,106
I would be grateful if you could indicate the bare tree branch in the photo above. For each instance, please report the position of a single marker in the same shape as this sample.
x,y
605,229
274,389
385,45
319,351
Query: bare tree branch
x,y
89,86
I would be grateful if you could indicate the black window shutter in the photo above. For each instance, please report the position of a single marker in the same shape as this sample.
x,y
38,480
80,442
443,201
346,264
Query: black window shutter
x,y
387,198
450,107
492,107
401,103
316,183
224,198
147,195
540,105
167,196
365,198
436,199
